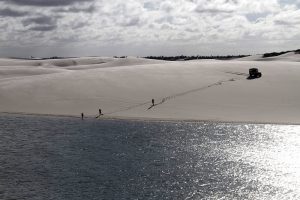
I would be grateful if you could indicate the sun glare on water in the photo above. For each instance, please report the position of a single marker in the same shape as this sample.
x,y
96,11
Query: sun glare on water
x,y
275,160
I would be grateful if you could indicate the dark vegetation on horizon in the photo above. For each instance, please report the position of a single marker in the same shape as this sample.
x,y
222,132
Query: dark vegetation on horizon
x,y
178,58
182,57
266,55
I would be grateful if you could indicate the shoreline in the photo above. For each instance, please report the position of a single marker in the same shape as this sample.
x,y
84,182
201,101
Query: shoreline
x,y
148,119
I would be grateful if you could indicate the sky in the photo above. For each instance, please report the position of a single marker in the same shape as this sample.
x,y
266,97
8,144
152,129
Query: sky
x,y
45,28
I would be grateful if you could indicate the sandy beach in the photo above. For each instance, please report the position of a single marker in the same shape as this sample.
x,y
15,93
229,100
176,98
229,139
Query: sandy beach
x,y
211,90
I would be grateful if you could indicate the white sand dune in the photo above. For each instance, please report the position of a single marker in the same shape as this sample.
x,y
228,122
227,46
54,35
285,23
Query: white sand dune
x,y
123,88
291,57
55,62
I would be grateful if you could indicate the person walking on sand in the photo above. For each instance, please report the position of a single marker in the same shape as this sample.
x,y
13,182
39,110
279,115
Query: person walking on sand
x,y
82,116
152,102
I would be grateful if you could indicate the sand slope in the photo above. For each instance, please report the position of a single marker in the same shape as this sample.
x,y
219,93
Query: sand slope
x,y
196,90
289,57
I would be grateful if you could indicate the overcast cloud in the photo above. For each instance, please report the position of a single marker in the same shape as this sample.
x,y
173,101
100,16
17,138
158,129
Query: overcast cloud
x,y
147,27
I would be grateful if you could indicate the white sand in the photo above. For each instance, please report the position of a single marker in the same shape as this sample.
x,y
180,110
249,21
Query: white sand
x,y
123,88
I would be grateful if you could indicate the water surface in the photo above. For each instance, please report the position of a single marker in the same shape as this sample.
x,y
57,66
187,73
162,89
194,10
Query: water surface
x,y
66,158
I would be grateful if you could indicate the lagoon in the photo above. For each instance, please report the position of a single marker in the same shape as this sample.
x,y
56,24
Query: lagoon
x,y
46,157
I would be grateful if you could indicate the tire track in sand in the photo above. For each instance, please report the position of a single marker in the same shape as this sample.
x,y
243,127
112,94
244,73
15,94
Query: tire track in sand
x,y
168,98
192,91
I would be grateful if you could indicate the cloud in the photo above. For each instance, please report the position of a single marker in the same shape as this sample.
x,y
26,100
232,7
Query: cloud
x,y
45,2
281,22
78,25
41,23
291,2
253,17
151,6
41,20
212,10
7,12
167,6
43,28
89,9
134,21
88,23
289,17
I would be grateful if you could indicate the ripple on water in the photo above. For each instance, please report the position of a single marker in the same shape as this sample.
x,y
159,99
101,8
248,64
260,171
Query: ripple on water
x,y
64,158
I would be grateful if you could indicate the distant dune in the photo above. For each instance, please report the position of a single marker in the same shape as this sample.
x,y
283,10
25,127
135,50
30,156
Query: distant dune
x,y
290,56
183,90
